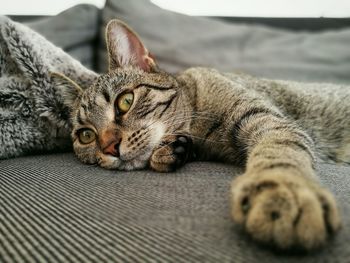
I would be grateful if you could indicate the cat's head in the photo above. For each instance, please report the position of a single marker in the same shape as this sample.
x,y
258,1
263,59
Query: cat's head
x,y
119,120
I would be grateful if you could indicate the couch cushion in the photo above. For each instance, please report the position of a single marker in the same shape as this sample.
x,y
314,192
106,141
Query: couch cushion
x,y
74,30
56,209
180,41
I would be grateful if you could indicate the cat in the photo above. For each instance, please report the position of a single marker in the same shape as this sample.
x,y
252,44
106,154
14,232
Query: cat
x,y
138,116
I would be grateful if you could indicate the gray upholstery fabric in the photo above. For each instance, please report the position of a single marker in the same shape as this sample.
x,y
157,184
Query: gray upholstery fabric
x,y
180,41
55,209
74,30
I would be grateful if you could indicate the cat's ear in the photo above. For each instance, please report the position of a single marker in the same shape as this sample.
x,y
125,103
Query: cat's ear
x,y
67,87
126,49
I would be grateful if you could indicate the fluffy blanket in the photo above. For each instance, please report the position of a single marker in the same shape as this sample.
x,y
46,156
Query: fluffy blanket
x,y
33,117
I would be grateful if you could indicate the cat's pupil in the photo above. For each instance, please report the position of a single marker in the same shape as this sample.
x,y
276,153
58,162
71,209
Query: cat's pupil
x,y
87,134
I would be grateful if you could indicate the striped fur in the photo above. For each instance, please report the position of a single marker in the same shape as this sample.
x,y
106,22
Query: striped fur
x,y
275,129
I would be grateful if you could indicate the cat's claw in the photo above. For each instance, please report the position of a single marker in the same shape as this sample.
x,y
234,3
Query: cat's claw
x,y
172,153
285,211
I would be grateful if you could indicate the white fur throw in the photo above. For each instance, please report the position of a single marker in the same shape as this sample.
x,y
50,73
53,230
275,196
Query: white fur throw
x,y
33,117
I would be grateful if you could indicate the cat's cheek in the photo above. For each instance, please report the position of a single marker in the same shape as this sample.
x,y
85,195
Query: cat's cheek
x,y
85,155
157,133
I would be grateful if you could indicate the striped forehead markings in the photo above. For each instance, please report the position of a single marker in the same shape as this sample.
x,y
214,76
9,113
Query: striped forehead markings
x,y
106,96
79,117
101,101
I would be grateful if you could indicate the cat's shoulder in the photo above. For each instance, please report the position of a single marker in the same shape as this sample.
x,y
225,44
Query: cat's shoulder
x,y
204,73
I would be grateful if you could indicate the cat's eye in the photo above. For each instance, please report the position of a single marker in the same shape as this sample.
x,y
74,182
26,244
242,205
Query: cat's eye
x,y
124,102
86,136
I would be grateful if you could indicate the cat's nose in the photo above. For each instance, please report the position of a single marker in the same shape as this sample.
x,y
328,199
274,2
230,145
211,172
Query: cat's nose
x,y
109,142
112,149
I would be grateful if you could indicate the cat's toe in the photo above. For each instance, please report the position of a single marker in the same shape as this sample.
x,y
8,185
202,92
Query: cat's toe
x,y
163,159
284,214
330,211
171,154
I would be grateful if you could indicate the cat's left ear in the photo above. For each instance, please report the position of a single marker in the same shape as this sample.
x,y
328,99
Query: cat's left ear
x,y
68,88
126,49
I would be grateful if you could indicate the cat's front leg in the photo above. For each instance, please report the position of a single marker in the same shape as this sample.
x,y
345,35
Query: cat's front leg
x,y
172,153
278,200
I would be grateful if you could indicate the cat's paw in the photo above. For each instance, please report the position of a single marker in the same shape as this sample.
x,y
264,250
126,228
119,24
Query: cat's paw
x,y
284,210
171,154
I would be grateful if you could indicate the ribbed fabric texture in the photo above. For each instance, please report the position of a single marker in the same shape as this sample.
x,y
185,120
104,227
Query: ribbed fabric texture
x,y
55,209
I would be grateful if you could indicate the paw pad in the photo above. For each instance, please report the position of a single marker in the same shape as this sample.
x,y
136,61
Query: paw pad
x,y
275,215
245,205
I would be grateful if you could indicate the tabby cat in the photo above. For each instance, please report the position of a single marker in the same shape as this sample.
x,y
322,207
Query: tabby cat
x,y
137,116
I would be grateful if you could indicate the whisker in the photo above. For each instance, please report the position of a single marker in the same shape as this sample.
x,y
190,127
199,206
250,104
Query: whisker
x,y
176,118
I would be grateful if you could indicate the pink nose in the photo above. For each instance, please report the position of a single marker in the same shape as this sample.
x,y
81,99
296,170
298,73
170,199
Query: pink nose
x,y
112,149
109,141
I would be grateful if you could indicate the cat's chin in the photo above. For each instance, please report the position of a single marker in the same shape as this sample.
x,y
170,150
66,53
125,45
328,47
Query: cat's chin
x,y
133,165
114,163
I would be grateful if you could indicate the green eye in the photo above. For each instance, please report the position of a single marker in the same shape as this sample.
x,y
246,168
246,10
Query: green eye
x,y
124,102
86,136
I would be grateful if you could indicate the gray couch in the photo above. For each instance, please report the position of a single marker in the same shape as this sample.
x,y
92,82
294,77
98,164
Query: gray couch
x,y
55,209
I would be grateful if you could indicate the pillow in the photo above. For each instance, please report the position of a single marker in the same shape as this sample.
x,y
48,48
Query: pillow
x,y
179,41
74,30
